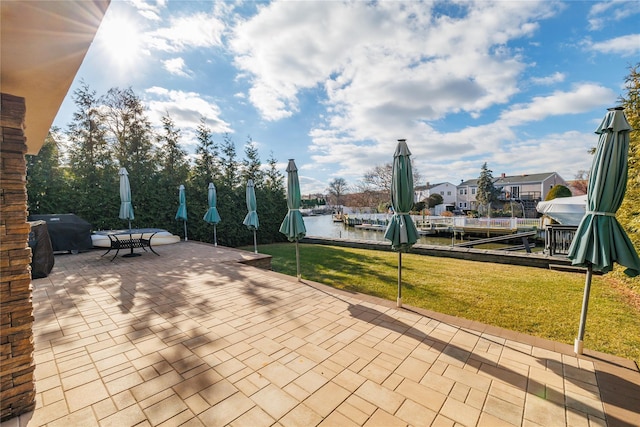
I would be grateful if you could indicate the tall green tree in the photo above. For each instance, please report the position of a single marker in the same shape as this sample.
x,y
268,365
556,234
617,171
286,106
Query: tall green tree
x,y
206,169
207,161
173,165
251,165
487,191
274,179
91,165
272,202
231,198
229,167
47,187
629,212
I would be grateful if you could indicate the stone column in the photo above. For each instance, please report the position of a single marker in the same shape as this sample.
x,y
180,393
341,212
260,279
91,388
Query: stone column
x,y
17,392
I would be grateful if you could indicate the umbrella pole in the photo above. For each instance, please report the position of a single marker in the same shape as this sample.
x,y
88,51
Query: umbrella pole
x,y
298,262
578,344
215,237
131,253
185,230
399,302
255,242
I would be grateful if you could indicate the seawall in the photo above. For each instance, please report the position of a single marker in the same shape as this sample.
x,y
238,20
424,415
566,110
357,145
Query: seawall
x,y
538,260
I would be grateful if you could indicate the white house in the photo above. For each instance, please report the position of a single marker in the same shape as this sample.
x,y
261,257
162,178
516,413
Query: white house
x,y
446,189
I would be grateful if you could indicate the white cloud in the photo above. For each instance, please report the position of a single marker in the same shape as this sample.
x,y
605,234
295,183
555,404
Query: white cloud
x,y
185,108
393,75
149,10
584,97
611,11
199,30
628,45
176,66
556,77
397,53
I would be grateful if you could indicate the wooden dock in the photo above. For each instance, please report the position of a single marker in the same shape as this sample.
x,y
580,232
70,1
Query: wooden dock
x,y
462,226
500,239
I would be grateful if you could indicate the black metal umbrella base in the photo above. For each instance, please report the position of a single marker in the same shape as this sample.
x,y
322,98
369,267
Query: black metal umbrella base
x,y
130,255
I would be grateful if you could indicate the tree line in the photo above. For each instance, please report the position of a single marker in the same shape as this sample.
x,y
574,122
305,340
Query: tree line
x,y
76,171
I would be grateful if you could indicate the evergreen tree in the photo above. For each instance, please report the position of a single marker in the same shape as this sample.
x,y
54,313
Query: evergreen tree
x,y
272,203
487,192
231,198
207,162
47,188
206,169
251,165
93,172
274,179
174,171
171,158
629,212
230,175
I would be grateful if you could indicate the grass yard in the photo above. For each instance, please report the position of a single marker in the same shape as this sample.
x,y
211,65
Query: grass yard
x,y
534,301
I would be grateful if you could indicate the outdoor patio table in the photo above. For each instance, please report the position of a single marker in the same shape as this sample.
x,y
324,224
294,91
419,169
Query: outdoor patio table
x,y
130,239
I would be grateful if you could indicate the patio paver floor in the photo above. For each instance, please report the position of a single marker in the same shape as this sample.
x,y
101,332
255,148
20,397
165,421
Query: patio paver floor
x,y
194,337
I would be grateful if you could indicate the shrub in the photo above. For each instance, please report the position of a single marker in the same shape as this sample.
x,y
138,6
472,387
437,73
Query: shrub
x,y
558,191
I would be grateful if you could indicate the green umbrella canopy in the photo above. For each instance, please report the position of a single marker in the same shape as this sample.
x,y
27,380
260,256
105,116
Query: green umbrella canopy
x,y
212,216
293,224
126,208
600,239
401,230
182,208
251,220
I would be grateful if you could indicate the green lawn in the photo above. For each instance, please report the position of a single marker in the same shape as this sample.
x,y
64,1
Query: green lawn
x,y
534,301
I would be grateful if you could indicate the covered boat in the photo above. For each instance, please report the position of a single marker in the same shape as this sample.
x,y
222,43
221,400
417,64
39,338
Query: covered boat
x,y
565,210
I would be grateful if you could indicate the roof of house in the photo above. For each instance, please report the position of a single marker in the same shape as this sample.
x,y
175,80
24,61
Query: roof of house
x,y
430,186
513,179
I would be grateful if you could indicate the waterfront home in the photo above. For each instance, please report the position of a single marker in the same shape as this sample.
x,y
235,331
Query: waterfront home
x,y
527,189
446,189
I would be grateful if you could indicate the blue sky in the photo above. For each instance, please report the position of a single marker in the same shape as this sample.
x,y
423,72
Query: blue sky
x,y
520,85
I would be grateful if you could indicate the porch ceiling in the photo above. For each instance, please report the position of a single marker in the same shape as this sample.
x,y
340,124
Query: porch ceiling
x,y
43,45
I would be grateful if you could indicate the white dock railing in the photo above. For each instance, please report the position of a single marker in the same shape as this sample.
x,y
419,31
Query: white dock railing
x,y
460,221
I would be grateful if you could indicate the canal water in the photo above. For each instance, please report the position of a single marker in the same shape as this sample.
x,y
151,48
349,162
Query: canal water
x,y
323,226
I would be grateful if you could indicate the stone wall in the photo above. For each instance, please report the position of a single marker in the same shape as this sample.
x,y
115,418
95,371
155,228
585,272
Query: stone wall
x,y
17,393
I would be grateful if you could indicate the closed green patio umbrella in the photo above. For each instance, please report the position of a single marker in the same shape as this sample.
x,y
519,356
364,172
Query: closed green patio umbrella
x,y
126,208
251,220
293,225
182,210
401,231
212,216
600,239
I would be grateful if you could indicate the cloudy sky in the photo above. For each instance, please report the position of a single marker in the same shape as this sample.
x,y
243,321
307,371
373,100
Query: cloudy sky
x,y
520,85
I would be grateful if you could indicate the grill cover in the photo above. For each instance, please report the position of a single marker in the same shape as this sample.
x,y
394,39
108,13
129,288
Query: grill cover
x,y
68,232
41,252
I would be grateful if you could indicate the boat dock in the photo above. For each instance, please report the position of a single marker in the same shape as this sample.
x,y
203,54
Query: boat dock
x,y
458,225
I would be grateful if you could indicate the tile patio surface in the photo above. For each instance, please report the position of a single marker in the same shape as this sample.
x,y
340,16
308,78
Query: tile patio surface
x,y
193,337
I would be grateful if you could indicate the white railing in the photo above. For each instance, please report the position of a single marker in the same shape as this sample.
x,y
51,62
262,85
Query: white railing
x,y
461,221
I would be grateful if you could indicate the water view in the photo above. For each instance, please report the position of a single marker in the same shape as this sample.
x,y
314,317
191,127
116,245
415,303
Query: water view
x,y
323,226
